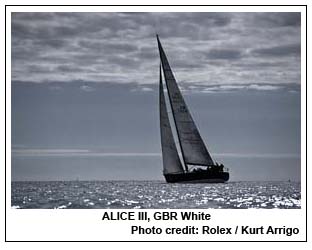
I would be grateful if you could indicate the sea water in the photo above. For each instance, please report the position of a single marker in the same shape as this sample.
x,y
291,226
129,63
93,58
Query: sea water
x,y
155,194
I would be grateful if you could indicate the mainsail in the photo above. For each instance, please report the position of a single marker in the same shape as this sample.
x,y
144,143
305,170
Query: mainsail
x,y
193,149
171,160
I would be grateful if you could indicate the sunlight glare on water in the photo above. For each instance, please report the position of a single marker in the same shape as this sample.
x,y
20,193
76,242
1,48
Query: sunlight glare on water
x,y
154,194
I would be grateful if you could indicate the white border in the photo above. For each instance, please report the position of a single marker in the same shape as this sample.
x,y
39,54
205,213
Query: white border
x,y
86,224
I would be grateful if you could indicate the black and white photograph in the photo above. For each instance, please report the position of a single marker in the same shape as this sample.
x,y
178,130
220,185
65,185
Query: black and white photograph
x,y
156,110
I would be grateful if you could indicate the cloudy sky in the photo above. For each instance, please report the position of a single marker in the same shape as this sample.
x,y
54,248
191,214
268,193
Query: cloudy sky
x,y
85,100
217,48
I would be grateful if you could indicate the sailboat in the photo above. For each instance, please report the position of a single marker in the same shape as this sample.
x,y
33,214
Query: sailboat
x,y
196,165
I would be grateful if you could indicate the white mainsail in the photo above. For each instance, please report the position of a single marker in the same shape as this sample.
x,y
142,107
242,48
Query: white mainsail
x,y
193,149
171,160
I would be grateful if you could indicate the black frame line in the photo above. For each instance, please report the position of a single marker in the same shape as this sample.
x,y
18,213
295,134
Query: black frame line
x,y
306,96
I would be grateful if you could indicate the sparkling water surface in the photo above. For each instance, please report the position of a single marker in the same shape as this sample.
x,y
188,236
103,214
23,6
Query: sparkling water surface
x,y
154,194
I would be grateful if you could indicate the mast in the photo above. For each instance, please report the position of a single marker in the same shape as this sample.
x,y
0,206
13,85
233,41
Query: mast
x,y
194,151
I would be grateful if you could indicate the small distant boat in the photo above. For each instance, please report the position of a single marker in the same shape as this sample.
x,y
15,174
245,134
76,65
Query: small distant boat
x,y
193,149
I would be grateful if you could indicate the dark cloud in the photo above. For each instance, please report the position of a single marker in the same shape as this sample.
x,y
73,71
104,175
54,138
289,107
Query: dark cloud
x,y
186,65
53,43
38,69
228,54
277,19
108,48
282,50
213,19
69,68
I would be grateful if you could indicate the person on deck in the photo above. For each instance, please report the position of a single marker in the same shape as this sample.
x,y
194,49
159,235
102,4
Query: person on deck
x,y
221,167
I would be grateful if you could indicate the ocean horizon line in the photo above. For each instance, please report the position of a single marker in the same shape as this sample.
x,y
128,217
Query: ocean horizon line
x,y
95,153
